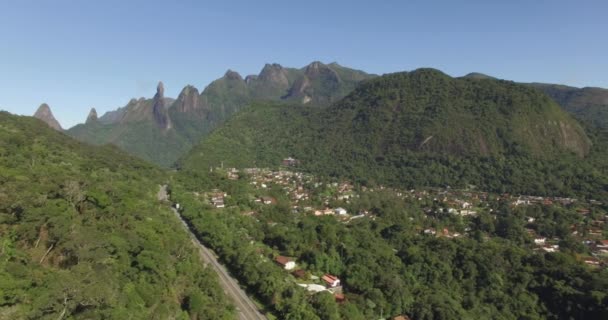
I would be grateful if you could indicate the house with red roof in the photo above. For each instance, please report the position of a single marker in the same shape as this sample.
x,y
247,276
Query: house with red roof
x,y
331,281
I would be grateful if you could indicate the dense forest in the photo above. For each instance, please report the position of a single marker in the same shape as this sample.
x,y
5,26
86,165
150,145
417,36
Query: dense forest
x,y
83,236
423,129
387,265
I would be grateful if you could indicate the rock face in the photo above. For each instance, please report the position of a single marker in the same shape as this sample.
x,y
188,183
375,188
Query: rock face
x,y
92,116
161,116
44,113
319,82
233,75
161,129
275,74
187,101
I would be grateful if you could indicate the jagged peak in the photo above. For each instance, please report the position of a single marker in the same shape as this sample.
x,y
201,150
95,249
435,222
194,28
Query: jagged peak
x,y
188,90
272,66
274,73
315,65
317,68
44,107
92,117
232,75
45,114
160,90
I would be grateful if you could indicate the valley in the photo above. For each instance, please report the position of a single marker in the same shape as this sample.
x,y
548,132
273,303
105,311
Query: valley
x,y
393,241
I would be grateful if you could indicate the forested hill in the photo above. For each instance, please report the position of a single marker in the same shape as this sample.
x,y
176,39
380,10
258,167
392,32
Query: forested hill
x,y
83,236
588,104
422,128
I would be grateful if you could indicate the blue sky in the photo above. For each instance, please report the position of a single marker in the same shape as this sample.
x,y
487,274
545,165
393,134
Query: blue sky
x,y
75,55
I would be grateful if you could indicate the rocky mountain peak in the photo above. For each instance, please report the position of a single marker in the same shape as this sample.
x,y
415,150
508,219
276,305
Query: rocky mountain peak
x,y
161,116
45,114
92,117
160,90
232,75
187,101
318,69
274,73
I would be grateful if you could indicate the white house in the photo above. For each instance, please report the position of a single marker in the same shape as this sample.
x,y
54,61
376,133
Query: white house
x,y
285,262
340,211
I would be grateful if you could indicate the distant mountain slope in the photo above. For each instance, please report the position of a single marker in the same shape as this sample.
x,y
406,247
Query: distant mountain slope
x,y
416,128
158,132
588,104
83,236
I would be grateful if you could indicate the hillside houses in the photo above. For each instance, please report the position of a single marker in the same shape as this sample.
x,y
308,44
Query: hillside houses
x,y
330,281
216,198
285,262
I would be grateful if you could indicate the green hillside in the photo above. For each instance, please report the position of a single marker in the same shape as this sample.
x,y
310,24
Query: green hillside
x,y
587,104
142,139
83,235
422,128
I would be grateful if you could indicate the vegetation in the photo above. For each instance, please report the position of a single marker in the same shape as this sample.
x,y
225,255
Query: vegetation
x,y
587,104
422,129
83,236
388,265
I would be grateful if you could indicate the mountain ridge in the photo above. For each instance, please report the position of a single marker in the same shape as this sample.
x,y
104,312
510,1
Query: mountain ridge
x,y
159,130
412,129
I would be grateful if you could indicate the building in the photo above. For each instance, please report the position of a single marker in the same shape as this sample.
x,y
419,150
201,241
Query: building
x,y
290,162
331,281
340,211
285,262
300,274
218,203
339,298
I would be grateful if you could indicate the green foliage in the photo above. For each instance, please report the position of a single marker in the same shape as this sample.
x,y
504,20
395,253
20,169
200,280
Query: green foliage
x,y
83,236
388,266
587,104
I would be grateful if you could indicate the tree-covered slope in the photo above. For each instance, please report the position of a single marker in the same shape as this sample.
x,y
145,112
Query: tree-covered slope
x,y
83,235
587,104
420,128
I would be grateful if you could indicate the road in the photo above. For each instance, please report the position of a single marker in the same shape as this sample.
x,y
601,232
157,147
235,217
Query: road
x,y
246,309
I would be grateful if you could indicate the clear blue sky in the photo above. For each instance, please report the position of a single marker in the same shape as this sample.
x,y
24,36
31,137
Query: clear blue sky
x,y
80,54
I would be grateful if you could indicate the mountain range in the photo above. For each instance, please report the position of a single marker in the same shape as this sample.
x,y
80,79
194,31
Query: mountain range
x,y
160,129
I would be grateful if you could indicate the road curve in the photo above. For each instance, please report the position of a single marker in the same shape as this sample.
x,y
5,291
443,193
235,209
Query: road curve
x,y
246,309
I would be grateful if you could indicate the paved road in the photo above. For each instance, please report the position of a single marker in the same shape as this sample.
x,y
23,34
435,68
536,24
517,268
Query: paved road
x,y
247,310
